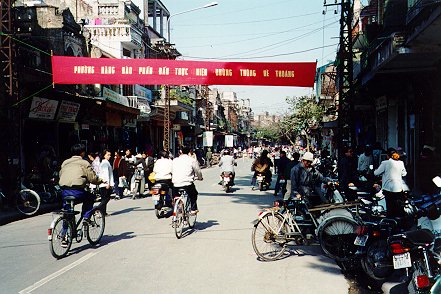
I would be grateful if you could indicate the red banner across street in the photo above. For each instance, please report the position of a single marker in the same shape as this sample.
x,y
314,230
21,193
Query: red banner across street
x,y
84,70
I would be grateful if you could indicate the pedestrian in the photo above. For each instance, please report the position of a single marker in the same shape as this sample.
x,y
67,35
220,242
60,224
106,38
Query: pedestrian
x,y
185,170
126,170
106,173
276,157
208,156
115,166
392,171
347,172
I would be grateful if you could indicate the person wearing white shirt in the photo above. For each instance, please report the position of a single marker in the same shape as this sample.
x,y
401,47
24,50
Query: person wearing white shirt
x,y
185,170
106,173
392,172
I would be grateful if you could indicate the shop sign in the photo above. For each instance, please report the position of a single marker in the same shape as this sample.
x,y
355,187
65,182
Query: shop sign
x,y
68,111
229,141
381,103
129,122
43,108
176,127
115,97
144,108
207,139
143,92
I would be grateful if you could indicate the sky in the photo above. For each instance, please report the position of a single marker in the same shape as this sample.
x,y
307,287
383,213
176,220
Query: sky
x,y
256,31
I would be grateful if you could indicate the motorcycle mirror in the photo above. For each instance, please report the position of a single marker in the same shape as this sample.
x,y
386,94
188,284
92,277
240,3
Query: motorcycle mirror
x,y
437,181
371,166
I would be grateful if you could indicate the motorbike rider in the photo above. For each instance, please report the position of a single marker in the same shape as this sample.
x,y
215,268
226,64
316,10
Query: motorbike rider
x,y
284,169
75,174
262,165
304,180
185,169
227,163
163,170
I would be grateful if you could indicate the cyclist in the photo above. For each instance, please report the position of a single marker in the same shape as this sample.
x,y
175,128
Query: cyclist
x,y
185,169
75,174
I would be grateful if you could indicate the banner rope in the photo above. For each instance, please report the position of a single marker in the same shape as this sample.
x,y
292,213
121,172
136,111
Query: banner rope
x,y
32,95
24,43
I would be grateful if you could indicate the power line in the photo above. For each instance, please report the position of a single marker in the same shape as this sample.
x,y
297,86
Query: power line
x,y
247,22
267,56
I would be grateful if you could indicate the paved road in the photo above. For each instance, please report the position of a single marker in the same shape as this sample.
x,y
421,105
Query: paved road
x,y
140,254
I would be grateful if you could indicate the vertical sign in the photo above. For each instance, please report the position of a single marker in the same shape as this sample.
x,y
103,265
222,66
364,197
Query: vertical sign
x,y
229,141
207,139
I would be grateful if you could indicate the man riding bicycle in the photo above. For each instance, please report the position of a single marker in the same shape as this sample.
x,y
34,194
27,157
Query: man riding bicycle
x,y
185,169
75,174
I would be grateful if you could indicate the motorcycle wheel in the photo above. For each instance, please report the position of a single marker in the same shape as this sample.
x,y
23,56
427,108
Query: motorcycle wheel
x,y
377,252
261,186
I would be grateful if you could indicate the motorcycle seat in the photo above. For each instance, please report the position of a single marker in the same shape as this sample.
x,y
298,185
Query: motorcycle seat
x,y
420,237
69,198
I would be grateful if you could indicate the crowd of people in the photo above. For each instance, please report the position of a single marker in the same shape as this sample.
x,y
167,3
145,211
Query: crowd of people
x,y
114,174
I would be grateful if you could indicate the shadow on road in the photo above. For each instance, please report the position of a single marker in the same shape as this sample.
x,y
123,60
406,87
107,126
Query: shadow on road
x,y
200,226
130,209
107,239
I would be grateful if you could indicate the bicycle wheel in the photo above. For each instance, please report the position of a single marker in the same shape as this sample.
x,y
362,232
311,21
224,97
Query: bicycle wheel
x,y
28,201
336,236
61,238
191,217
179,216
94,229
269,237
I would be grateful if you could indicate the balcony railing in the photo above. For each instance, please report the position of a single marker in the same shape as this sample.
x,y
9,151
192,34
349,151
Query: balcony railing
x,y
124,33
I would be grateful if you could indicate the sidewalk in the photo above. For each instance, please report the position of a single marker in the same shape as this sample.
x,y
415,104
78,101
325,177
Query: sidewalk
x,y
8,215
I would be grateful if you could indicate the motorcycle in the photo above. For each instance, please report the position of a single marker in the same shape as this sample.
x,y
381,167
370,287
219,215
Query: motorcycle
x,y
419,251
227,181
261,182
161,199
332,193
138,182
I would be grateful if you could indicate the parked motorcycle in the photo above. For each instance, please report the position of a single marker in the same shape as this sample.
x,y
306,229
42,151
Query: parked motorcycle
x,y
419,251
331,192
161,199
227,181
138,185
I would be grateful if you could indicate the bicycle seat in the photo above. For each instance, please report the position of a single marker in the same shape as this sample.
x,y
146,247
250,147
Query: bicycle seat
x,y
69,198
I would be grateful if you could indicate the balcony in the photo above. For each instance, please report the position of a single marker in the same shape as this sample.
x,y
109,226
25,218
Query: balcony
x,y
107,36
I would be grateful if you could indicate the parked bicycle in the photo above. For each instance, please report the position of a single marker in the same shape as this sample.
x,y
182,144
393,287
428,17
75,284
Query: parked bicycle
x,y
182,213
292,222
65,228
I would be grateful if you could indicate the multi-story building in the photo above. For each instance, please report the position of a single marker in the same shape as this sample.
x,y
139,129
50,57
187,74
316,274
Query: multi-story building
x,y
398,81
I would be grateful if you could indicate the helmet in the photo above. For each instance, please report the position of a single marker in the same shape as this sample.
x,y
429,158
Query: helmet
x,y
308,156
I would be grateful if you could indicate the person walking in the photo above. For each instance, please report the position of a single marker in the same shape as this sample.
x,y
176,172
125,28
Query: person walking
x,y
347,172
185,170
208,157
115,167
126,170
106,173
392,171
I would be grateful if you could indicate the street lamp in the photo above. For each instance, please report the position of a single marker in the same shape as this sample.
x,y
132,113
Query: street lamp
x,y
186,11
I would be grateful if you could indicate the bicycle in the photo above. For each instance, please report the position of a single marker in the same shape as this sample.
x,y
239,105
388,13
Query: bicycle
x,y
276,227
66,227
182,213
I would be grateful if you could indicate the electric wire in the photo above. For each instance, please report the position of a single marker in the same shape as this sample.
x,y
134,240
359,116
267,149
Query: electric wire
x,y
32,95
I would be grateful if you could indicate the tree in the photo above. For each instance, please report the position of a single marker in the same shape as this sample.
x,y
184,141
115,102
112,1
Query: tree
x,y
304,115
269,133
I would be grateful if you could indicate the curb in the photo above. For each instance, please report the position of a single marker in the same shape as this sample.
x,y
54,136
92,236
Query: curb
x,y
10,215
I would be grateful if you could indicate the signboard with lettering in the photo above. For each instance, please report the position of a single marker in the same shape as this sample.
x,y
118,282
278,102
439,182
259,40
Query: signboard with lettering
x,y
229,141
143,92
84,70
115,97
207,139
43,108
68,111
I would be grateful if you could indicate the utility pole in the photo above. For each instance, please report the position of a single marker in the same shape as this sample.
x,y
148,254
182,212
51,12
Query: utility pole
x,y
207,108
6,53
167,118
346,128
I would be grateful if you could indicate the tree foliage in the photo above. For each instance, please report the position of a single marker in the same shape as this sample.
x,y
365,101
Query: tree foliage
x,y
304,115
